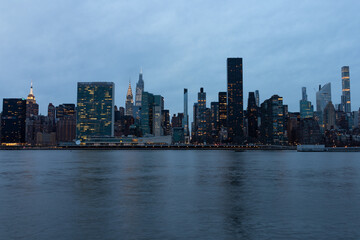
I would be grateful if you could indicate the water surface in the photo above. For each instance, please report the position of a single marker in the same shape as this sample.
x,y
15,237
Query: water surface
x,y
179,195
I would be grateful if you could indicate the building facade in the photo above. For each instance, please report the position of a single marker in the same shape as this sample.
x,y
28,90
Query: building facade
x,y
235,118
13,121
345,97
95,109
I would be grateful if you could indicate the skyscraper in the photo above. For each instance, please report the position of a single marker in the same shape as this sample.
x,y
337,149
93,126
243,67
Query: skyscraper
x,y
257,98
13,120
222,109
129,103
272,120
323,97
157,110
95,109
252,117
201,115
185,121
32,108
235,118
329,116
139,90
306,109
147,114
345,97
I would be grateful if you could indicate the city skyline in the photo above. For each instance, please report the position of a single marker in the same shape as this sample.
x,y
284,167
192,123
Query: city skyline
x,y
290,51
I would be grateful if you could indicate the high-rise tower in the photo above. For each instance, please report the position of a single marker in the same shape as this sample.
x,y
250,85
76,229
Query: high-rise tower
x,y
32,108
235,118
345,97
129,103
139,89
185,121
95,110
323,97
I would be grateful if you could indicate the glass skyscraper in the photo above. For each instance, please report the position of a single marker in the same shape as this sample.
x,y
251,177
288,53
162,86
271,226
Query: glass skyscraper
x,y
95,110
235,117
345,97
306,109
323,97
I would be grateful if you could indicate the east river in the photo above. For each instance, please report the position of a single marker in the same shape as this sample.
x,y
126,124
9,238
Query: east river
x,y
194,194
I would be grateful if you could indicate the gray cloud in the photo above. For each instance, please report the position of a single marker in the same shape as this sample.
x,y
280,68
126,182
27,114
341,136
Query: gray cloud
x,y
285,45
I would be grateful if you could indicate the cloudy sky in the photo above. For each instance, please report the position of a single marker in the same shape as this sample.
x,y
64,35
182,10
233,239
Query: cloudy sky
x,y
179,44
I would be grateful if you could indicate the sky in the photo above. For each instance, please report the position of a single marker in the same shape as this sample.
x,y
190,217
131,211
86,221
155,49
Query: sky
x,y
285,45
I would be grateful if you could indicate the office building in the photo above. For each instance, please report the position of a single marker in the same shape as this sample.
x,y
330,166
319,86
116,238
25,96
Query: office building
x,y
235,121
13,120
66,122
222,109
146,120
252,118
272,121
95,110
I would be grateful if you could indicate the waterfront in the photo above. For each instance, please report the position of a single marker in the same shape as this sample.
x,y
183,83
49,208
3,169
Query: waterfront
x,y
179,195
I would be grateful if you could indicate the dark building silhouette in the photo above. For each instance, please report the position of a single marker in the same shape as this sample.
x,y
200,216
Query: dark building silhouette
x,y
165,122
272,121
222,109
66,122
235,118
309,131
215,121
176,121
252,118
13,120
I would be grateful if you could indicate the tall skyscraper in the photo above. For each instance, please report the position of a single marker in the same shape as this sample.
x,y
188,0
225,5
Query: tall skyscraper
x,y
345,97
13,120
252,117
147,114
323,97
185,121
32,108
95,109
306,109
235,117
201,115
139,90
223,109
257,98
157,110
129,103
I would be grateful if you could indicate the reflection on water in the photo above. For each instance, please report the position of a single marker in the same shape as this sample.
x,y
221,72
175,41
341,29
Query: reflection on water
x,y
179,195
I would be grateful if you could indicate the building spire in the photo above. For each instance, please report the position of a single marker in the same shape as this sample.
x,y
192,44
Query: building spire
x,y
31,89
141,70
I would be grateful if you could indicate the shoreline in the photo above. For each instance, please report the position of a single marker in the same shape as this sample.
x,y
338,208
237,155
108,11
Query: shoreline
x,y
182,147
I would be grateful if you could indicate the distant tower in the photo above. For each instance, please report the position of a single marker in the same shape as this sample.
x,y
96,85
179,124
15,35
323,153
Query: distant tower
x,y
323,97
185,121
139,89
345,97
306,109
129,103
32,108
257,98
304,95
